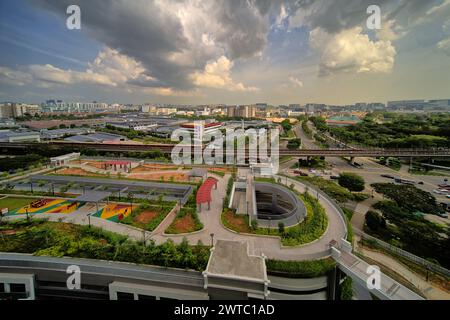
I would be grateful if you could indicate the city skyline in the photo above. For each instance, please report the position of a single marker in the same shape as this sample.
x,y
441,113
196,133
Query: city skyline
x,y
195,52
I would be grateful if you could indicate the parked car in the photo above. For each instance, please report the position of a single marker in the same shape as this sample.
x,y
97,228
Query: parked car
x,y
300,173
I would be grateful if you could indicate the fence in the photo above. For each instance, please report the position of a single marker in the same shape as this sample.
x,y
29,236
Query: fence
x,y
404,254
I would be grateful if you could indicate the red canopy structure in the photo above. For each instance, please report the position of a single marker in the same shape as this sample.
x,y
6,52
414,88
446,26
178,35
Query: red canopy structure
x,y
204,192
125,165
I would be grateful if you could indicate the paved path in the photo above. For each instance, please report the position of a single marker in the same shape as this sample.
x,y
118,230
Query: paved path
x,y
429,290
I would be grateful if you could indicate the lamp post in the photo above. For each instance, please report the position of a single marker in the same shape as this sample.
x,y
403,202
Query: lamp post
x,y
270,224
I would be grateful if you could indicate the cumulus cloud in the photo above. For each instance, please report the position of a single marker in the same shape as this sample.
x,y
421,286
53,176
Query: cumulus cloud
x,y
48,75
14,77
172,38
295,82
110,68
350,51
444,46
217,75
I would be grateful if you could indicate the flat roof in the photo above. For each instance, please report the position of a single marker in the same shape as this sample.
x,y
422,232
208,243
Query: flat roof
x,y
107,181
93,196
232,259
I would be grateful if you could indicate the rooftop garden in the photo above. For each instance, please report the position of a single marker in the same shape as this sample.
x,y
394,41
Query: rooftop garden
x,y
55,239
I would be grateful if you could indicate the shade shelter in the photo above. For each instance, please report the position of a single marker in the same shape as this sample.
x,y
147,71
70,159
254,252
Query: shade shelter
x,y
204,192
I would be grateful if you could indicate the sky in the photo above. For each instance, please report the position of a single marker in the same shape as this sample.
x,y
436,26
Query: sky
x,y
224,51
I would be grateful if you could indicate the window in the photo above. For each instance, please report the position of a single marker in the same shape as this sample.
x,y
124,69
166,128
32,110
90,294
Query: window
x,y
17,287
125,296
145,297
2,287
165,298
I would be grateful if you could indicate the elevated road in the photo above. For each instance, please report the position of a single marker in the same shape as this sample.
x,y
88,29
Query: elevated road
x,y
167,148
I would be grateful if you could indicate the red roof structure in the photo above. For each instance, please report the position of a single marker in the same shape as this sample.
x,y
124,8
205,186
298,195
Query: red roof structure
x,y
204,192
207,125
117,163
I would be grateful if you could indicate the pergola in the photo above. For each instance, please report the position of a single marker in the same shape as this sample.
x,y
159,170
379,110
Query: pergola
x,y
125,165
204,192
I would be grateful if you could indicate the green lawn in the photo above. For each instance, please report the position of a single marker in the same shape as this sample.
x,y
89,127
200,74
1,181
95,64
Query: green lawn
x,y
13,203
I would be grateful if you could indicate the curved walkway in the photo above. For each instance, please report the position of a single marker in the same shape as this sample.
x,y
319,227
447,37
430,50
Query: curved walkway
x,y
270,246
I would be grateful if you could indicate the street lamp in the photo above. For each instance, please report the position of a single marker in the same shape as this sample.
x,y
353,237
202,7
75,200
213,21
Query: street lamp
x,y
270,224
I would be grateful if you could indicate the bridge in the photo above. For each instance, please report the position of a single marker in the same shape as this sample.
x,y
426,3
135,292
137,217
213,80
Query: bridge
x,y
167,149
357,269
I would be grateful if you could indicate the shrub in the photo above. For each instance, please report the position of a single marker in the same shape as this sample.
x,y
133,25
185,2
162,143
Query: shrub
x,y
351,181
280,227
300,269
375,221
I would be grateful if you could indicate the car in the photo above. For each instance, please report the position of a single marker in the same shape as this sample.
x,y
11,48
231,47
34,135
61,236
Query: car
x,y
420,182
300,173
388,176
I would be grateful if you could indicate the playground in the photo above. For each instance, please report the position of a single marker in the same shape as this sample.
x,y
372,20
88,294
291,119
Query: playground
x,y
114,212
46,206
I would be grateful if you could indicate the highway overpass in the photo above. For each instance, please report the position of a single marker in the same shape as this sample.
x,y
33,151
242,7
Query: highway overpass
x,y
167,149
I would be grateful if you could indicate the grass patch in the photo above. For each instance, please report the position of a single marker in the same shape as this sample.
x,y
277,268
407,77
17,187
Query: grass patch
x,y
13,203
348,217
334,190
37,193
300,269
310,229
219,173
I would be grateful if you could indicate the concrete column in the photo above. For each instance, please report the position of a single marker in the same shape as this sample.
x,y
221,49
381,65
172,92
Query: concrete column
x,y
332,284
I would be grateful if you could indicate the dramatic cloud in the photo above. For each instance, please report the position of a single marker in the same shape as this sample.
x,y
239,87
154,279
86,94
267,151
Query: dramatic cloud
x,y
217,75
331,16
171,38
352,52
48,75
108,69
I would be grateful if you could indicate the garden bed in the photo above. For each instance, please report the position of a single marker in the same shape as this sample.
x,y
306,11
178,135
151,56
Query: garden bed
x,y
148,217
186,221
